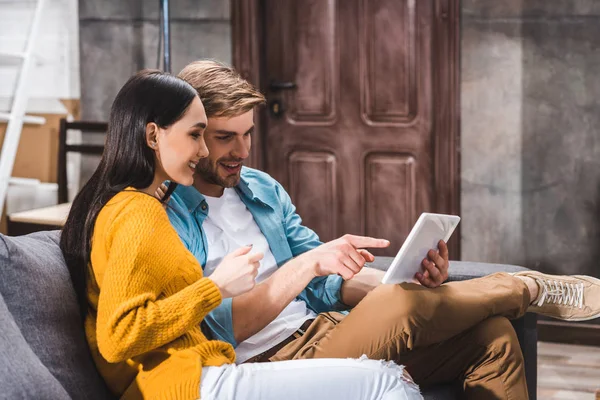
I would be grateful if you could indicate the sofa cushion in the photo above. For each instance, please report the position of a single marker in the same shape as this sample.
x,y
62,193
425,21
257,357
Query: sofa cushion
x,y
22,374
442,392
458,270
37,289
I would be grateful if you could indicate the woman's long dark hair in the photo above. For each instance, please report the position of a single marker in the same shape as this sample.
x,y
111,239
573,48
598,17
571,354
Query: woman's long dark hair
x,y
148,96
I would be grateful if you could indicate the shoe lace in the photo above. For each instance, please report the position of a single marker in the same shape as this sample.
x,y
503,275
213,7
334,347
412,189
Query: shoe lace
x,y
559,292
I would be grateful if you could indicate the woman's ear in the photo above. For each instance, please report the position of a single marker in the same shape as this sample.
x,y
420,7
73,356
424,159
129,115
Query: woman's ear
x,y
152,135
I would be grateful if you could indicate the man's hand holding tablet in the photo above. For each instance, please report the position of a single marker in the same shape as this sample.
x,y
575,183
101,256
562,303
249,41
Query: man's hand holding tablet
x,y
417,258
435,267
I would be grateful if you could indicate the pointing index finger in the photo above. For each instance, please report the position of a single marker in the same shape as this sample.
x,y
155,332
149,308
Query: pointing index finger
x,y
365,241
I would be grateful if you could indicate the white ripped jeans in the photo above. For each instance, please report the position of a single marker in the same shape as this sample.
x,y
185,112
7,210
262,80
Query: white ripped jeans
x,y
314,379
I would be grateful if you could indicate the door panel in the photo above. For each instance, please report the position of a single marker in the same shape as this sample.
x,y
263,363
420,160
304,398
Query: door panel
x,y
387,50
318,171
389,176
304,51
315,64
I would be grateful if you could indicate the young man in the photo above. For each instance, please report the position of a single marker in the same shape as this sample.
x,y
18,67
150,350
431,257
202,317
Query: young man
x,y
457,331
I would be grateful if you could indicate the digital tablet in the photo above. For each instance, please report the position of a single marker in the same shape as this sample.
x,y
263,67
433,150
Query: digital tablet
x,y
425,235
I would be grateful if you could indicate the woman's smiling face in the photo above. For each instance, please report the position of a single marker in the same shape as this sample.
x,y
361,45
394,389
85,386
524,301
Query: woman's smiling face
x,y
180,146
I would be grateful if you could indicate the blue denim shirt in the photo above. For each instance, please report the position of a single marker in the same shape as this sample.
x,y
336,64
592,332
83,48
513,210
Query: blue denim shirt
x,y
275,215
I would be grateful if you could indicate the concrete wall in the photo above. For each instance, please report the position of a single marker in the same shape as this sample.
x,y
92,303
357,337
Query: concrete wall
x,y
55,74
531,133
120,37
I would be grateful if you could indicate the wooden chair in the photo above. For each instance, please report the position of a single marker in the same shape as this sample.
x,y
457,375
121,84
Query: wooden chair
x,y
54,217
64,148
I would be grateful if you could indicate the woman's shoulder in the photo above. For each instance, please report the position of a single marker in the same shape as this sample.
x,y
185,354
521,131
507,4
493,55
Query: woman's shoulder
x,y
134,220
132,204
132,197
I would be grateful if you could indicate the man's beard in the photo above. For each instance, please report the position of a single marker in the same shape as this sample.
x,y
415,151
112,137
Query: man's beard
x,y
210,173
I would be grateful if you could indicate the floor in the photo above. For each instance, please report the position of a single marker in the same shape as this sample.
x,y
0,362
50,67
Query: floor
x,y
567,371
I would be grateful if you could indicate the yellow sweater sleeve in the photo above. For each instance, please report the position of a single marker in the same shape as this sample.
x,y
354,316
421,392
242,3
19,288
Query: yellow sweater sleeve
x,y
144,255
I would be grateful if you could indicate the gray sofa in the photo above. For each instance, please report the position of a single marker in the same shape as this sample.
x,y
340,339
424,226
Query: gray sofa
x,y
43,352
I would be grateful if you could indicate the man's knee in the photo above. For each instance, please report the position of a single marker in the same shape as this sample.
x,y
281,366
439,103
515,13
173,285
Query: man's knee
x,y
401,298
499,337
397,302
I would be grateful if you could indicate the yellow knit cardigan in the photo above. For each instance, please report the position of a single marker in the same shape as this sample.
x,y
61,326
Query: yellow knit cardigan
x,y
147,297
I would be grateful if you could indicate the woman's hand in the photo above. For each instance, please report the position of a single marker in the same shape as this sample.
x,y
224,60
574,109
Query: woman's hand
x,y
237,272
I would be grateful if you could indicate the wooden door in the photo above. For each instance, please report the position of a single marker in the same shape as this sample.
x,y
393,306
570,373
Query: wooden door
x,y
361,122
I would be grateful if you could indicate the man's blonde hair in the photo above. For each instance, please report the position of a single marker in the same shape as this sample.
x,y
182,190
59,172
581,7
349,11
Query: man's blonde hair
x,y
224,93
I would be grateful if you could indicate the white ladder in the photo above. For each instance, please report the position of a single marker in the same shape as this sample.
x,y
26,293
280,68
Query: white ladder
x,y
16,117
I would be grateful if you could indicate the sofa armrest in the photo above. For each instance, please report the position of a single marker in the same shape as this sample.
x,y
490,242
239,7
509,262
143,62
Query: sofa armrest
x,y
459,270
525,327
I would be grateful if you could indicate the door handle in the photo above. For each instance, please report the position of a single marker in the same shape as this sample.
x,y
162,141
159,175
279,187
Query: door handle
x,y
276,86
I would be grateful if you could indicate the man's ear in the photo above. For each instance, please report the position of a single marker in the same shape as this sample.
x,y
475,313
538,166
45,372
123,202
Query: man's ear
x,y
152,135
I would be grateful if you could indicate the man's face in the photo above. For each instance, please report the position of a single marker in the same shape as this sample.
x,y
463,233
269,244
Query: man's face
x,y
228,141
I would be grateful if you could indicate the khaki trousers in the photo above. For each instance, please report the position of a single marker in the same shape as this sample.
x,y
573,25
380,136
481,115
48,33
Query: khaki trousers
x,y
457,331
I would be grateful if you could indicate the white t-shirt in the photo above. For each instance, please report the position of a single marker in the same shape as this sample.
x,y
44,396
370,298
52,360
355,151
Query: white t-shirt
x,y
229,226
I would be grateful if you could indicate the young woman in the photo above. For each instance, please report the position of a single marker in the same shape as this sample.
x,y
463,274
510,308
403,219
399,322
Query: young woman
x,y
143,295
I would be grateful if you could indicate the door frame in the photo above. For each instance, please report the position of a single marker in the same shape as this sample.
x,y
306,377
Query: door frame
x,y
247,56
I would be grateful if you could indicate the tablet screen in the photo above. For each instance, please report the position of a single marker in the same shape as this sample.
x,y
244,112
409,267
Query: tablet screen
x,y
425,235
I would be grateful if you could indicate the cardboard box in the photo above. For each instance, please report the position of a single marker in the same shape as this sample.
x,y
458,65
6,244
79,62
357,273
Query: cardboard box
x,y
37,154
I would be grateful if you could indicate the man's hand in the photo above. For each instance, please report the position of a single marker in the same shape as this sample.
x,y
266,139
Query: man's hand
x,y
345,256
160,192
436,267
